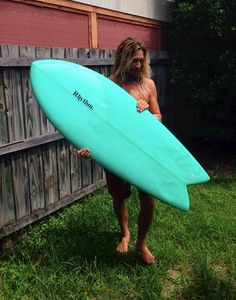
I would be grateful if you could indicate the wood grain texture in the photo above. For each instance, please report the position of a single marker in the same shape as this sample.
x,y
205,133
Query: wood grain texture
x,y
36,183
3,114
50,173
31,108
21,185
7,206
63,156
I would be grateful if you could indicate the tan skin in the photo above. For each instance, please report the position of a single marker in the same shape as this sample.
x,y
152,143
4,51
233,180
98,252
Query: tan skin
x,y
146,96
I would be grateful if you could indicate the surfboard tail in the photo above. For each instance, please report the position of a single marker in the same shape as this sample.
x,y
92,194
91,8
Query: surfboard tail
x,y
176,196
181,200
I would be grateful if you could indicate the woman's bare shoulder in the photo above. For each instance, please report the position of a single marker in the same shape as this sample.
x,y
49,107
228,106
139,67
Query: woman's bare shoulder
x,y
149,82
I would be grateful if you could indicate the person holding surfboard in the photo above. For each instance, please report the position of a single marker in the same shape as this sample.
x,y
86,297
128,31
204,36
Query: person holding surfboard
x,y
132,72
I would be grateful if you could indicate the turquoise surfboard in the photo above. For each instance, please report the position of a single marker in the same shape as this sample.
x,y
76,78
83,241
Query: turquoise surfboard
x,y
91,111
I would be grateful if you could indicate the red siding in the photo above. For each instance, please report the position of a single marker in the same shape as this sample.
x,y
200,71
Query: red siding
x,y
22,24
111,33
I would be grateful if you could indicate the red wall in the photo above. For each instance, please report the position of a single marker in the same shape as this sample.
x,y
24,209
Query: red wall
x,y
22,24
111,33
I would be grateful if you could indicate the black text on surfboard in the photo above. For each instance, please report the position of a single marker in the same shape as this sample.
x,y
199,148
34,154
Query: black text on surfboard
x,y
83,100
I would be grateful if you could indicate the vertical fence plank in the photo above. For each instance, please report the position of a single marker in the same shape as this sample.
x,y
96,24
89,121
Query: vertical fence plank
x,y
36,179
15,115
63,168
14,105
76,175
50,173
7,209
32,113
58,52
21,185
45,125
13,94
32,125
3,117
9,51
71,53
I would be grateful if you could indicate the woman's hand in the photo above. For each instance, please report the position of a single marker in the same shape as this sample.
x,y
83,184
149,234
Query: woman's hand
x,y
84,153
142,105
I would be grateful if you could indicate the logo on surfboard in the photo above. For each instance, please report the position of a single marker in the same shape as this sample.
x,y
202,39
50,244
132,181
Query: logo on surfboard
x,y
83,100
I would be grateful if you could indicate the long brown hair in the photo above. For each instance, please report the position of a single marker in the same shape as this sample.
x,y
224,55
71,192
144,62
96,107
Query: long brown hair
x,y
123,59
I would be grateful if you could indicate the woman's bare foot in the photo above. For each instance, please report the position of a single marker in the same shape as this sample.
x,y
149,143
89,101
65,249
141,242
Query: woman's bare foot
x,y
146,255
123,245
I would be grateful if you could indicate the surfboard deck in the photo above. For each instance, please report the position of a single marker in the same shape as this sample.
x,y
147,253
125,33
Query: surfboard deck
x,y
91,111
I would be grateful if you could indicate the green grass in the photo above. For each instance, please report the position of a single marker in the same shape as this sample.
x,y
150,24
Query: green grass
x,y
71,255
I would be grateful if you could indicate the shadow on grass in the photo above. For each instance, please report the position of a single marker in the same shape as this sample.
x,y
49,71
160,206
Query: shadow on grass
x,y
209,287
74,240
93,244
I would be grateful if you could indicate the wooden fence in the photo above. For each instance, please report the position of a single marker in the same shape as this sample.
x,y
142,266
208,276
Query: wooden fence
x,y
38,171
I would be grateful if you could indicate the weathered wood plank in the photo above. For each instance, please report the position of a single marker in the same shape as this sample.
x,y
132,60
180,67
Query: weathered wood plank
x,y
75,161
58,52
50,173
14,104
42,52
7,209
63,169
86,172
36,184
27,52
11,91
45,125
6,230
21,185
32,111
32,114
97,171
161,57
26,62
13,96
29,143
9,51
3,117
105,55
71,54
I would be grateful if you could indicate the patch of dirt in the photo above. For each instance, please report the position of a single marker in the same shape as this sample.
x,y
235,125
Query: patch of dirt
x,y
221,269
171,285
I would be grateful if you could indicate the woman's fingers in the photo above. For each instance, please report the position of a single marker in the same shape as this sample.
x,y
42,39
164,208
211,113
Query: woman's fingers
x,y
142,105
83,153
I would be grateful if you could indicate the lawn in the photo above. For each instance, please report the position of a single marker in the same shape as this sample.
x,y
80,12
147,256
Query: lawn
x,y
71,255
